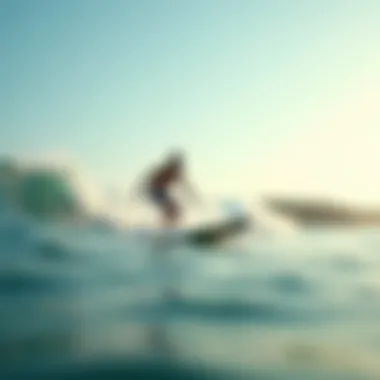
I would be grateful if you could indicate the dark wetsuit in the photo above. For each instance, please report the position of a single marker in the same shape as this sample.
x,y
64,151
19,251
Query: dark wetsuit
x,y
159,185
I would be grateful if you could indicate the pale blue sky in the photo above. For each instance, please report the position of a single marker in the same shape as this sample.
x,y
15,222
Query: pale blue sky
x,y
264,95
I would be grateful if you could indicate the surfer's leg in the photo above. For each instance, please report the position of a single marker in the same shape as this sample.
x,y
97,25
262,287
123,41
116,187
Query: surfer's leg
x,y
171,213
167,206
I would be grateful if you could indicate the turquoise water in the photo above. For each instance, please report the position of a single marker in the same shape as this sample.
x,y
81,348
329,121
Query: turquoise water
x,y
80,304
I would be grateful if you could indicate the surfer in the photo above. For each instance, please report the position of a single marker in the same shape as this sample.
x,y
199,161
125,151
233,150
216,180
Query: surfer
x,y
158,184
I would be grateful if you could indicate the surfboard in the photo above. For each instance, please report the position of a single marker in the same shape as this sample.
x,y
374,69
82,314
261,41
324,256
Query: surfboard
x,y
217,233
235,223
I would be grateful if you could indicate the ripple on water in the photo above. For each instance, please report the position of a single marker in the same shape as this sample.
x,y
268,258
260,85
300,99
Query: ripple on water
x,y
51,249
347,263
225,311
290,283
14,281
131,368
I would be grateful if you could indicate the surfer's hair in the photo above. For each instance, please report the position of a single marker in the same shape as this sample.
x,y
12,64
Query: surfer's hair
x,y
175,158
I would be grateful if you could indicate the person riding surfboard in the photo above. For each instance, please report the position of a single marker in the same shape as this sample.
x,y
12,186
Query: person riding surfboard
x,y
157,186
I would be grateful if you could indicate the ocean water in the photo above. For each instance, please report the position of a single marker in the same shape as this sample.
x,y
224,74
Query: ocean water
x,y
83,304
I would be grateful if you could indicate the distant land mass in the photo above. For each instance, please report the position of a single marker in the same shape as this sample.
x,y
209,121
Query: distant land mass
x,y
310,212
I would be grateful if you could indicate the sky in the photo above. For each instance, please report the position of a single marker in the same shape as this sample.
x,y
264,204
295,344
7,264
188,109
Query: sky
x,y
271,96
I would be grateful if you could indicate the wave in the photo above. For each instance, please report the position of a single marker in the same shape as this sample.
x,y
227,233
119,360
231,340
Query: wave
x,y
133,368
291,283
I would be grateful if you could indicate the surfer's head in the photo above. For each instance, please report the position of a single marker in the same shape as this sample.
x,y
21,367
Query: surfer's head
x,y
176,159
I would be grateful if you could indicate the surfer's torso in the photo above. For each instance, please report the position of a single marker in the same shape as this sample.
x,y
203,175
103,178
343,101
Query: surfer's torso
x,y
159,183
164,177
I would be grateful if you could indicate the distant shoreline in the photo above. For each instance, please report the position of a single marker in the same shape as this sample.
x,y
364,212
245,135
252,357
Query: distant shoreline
x,y
322,212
